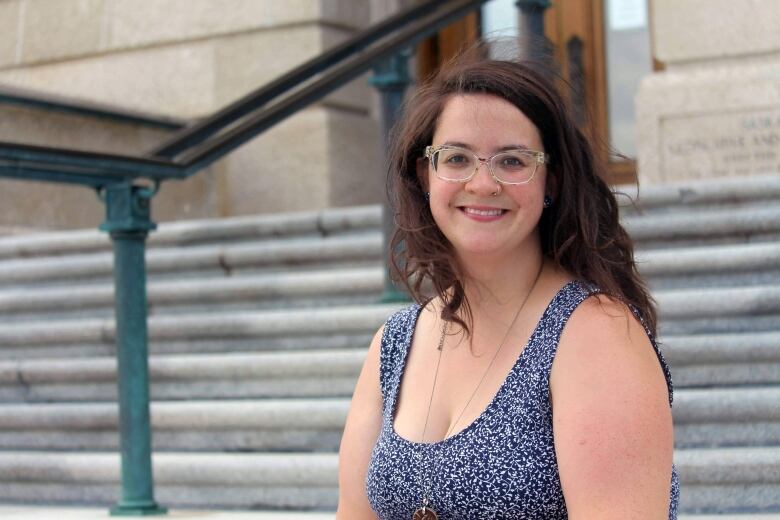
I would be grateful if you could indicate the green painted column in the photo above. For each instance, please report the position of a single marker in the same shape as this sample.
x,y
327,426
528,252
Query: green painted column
x,y
391,78
128,222
533,42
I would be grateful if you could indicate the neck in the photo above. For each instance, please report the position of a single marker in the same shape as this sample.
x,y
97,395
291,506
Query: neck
x,y
496,287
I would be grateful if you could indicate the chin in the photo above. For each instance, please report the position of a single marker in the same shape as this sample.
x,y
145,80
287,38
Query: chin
x,y
481,248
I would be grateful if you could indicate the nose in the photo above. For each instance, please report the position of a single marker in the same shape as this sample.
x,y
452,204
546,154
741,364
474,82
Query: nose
x,y
482,183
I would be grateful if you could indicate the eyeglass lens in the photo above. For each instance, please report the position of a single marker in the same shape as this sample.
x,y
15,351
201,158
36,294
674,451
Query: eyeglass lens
x,y
458,165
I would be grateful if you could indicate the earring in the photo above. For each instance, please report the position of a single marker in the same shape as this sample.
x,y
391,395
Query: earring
x,y
547,201
427,196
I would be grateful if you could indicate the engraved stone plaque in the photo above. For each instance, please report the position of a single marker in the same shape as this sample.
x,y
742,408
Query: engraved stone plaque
x,y
720,145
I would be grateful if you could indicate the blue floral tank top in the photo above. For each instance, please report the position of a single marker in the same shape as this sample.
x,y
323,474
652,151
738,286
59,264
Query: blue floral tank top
x,y
501,466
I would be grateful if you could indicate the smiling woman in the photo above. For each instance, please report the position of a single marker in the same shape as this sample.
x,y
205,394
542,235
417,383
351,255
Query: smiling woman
x,y
526,381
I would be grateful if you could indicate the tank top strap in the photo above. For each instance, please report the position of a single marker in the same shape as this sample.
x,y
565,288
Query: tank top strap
x,y
558,314
664,365
543,344
396,338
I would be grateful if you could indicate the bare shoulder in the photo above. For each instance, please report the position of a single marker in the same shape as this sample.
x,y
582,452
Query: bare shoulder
x,y
612,423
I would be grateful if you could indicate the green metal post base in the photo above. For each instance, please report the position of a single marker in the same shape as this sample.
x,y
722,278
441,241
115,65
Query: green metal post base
x,y
137,508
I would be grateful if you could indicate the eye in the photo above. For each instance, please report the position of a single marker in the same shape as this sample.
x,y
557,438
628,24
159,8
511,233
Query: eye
x,y
455,158
513,161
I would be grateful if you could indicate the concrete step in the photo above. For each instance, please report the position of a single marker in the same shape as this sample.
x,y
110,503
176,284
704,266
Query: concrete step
x,y
712,480
704,226
729,480
268,291
711,266
193,345
211,480
706,193
707,360
211,260
270,425
718,417
18,338
718,310
219,231
309,373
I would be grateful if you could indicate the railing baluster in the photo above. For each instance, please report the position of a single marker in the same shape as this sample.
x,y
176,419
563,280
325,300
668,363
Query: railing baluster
x,y
128,222
391,78
533,43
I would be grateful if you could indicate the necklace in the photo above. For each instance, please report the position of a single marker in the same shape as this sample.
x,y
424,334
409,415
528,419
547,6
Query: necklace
x,y
426,511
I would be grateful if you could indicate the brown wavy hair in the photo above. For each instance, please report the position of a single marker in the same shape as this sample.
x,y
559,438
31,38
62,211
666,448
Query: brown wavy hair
x,y
580,232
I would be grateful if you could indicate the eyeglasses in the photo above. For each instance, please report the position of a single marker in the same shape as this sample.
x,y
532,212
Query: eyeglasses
x,y
451,163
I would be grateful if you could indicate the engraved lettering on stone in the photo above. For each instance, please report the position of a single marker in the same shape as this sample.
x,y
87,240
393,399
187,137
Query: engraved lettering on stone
x,y
721,144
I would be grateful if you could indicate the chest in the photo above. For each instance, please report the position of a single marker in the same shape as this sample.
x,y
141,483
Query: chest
x,y
502,466
442,392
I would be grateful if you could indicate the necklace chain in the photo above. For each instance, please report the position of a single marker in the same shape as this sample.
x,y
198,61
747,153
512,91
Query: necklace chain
x,y
427,487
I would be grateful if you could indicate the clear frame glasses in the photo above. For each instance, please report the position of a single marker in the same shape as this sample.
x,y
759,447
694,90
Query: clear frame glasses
x,y
451,163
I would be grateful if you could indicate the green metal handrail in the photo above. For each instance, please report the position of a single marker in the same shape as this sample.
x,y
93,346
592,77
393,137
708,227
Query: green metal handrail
x,y
128,215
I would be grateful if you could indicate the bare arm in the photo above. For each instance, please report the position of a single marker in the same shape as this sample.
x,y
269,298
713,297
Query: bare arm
x,y
612,422
360,434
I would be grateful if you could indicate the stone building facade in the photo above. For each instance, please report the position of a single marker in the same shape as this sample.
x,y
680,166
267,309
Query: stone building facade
x,y
709,109
714,111
186,59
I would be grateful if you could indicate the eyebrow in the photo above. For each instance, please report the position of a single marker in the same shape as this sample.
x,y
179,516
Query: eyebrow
x,y
458,144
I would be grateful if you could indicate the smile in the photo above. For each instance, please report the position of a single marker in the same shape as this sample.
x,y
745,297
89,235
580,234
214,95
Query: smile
x,y
483,212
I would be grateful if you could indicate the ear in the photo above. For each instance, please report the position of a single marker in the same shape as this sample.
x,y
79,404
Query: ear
x,y
422,172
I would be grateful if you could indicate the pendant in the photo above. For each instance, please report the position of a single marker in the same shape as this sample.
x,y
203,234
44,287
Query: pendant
x,y
425,513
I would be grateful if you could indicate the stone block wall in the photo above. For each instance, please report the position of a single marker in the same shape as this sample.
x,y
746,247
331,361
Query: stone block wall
x,y
714,111
188,58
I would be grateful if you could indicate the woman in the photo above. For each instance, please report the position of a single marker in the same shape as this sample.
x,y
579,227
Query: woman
x,y
528,384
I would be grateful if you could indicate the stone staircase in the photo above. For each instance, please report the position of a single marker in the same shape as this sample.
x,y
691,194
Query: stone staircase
x,y
259,325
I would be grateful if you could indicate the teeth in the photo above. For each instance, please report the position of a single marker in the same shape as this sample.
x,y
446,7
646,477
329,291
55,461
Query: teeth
x,y
484,212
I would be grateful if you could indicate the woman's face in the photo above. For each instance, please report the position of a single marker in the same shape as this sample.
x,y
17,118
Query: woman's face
x,y
474,220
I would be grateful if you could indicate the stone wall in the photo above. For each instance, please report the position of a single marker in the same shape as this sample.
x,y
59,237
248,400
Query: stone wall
x,y
715,109
188,58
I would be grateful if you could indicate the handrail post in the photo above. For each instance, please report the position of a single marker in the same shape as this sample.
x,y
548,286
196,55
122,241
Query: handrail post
x,y
128,222
391,78
534,43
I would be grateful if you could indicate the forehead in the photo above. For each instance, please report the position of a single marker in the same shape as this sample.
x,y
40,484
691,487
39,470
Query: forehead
x,y
484,122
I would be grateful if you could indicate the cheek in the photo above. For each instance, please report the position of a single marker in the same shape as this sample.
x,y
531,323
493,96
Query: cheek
x,y
442,196
438,207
